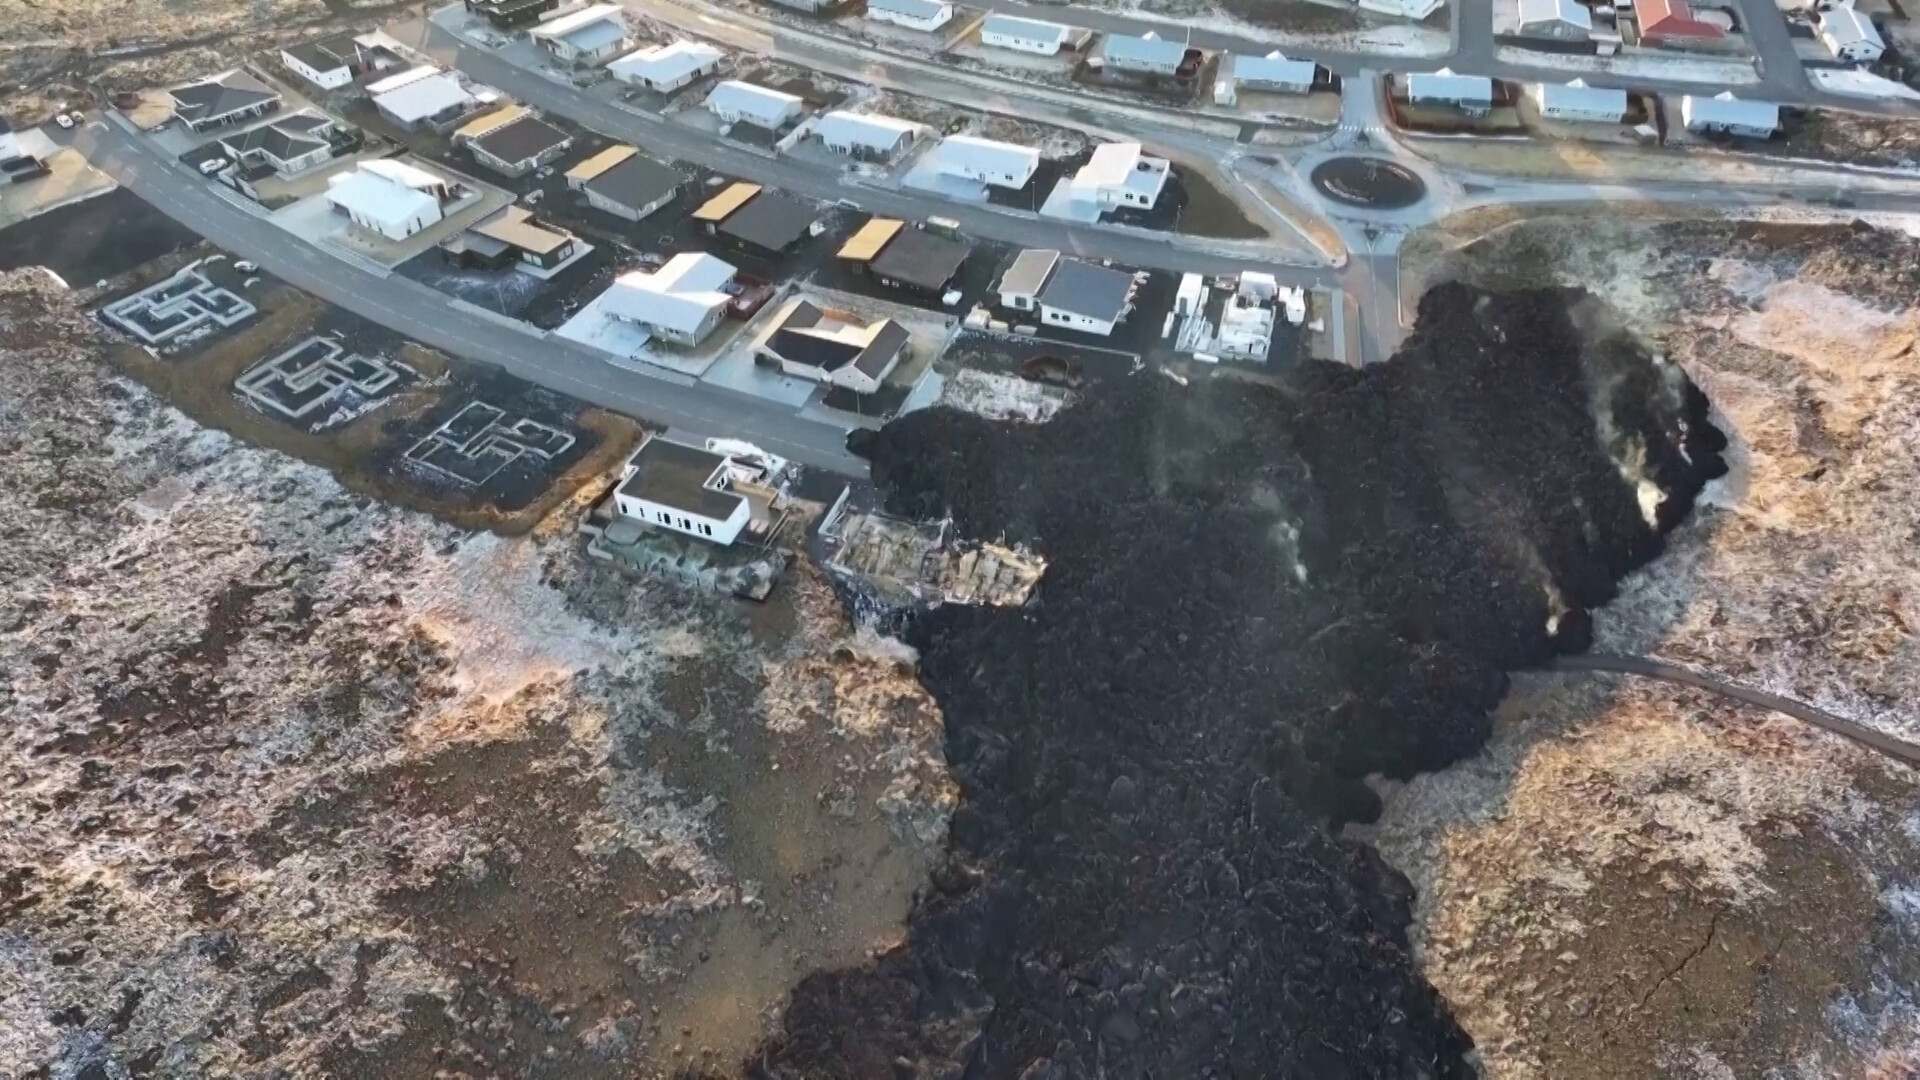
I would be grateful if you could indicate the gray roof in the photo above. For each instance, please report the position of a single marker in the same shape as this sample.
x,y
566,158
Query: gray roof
x,y
1029,271
675,475
1034,29
886,344
635,182
1125,48
769,220
283,140
920,258
221,95
522,140
1098,292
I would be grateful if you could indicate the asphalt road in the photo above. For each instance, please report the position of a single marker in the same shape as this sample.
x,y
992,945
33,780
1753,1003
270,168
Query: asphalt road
x,y
423,314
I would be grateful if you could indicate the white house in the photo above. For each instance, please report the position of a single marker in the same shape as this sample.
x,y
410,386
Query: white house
x,y
682,302
666,68
737,102
329,63
1025,35
1470,94
424,97
683,488
809,342
1019,287
867,136
1085,297
1119,175
986,161
925,15
1578,101
1272,73
1146,55
388,197
1727,114
1849,35
1403,9
592,35
1562,20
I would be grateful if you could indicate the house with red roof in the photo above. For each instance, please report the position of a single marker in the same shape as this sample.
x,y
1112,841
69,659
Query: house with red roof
x,y
1672,21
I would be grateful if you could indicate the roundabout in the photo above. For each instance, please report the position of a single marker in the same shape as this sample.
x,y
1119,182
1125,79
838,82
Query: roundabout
x,y
1371,182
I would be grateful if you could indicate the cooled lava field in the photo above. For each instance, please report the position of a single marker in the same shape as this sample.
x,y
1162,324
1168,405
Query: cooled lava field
x,y
1257,596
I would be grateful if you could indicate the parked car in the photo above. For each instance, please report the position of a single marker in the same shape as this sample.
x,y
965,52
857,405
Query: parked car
x,y
77,117
63,120
246,266
212,165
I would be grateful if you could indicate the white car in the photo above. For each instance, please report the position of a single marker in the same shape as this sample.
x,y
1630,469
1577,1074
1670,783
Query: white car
x,y
213,165
63,120
246,266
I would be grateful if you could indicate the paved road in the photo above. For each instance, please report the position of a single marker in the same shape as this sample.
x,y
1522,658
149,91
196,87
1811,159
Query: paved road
x,y
423,314
1872,738
663,137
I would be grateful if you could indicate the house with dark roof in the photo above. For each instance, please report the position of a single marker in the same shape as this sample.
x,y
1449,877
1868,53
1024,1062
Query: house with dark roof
x,y
512,236
518,145
223,99
811,342
750,217
289,145
907,258
508,14
1082,296
625,183
329,63
683,488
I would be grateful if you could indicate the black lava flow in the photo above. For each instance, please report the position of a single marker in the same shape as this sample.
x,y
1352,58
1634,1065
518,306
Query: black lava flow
x,y
1257,595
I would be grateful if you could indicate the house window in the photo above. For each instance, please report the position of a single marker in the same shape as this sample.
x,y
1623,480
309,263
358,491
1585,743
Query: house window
x,y
706,530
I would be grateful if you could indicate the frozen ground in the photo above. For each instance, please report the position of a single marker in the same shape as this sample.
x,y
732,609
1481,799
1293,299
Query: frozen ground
x,y
1634,880
302,784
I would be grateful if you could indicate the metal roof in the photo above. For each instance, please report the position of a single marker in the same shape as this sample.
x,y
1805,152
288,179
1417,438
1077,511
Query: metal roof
x,y
515,225
1097,292
865,244
1031,29
769,221
921,259
666,63
426,97
1151,49
747,99
1725,110
371,194
1444,85
1029,271
565,25
722,205
913,9
679,476
221,95
498,118
864,129
395,82
600,162
987,155
1273,69
1846,27
635,181
679,296
522,140
1534,12
1577,96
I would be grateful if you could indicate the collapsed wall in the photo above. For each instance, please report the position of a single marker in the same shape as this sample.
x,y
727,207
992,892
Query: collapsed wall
x,y
1255,598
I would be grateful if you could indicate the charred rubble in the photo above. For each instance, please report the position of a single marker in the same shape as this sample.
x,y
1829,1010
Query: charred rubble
x,y
1256,597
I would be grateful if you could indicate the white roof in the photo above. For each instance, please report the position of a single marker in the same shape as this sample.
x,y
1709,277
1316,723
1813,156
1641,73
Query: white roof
x,y
1110,166
1580,97
1444,85
665,63
1031,29
1548,11
1149,49
1859,83
678,296
986,155
426,97
399,172
395,82
373,195
1845,26
748,99
585,17
1724,109
1274,69
865,129
913,9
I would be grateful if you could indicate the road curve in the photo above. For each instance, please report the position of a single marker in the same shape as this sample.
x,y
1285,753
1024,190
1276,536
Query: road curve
x,y
1878,741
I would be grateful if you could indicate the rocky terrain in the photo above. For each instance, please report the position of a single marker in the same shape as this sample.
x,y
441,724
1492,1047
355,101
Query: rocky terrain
x,y
300,784
1639,880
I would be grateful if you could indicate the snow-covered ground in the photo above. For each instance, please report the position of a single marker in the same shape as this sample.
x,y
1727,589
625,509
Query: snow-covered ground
x,y
1855,83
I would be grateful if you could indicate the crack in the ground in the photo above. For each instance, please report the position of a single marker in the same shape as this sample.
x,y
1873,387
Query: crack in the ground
x,y
1713,930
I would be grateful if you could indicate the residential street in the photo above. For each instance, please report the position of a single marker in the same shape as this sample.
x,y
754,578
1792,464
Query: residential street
x,y
421,313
